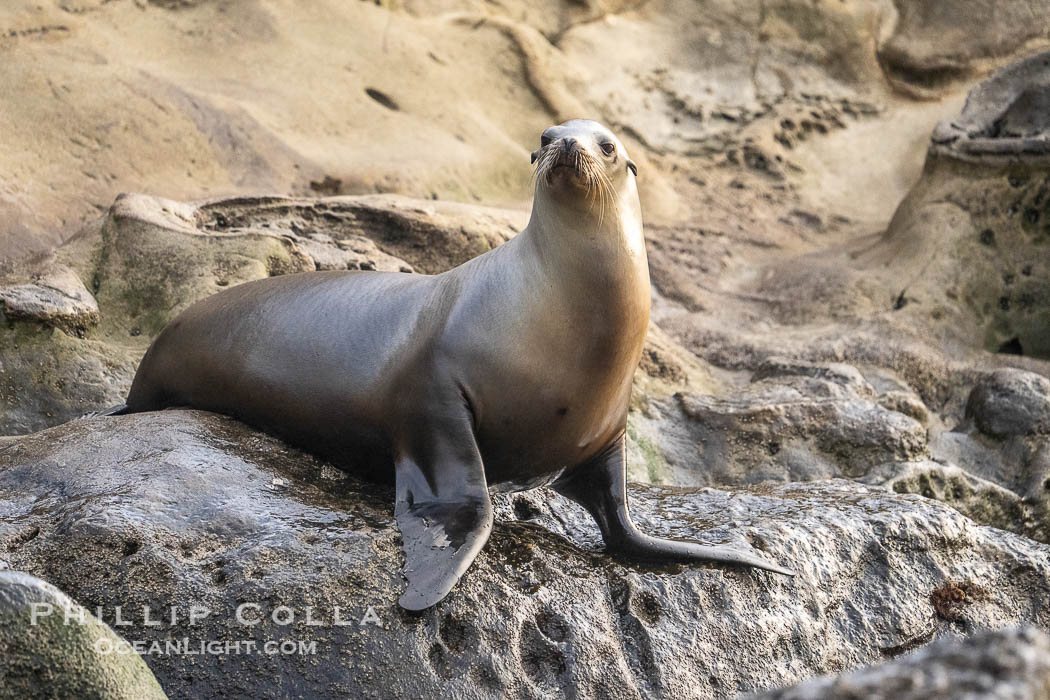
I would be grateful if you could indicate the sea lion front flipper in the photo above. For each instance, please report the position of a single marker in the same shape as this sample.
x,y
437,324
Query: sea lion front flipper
x,y
443,511
600,486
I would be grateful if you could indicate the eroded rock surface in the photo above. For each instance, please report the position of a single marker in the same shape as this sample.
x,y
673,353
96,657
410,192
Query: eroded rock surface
x,y
682,80
1003,448
991,665
1011,402
54,297
896,358
968,245
800,429
937,42
1004,116
185,508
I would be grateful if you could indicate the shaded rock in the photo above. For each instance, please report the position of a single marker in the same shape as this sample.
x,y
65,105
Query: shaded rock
x,y
432,236
837,372
980,499
937,42
1012,663
351,253
991,286
1011,402
906,402
54,648
1003,462
971,236
48,376
820,422
54,297
667,368
179,508
1006,115
1002,443
155,257
995,465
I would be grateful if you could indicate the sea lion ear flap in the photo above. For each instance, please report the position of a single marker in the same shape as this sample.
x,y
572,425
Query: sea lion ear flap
x,y
632,167
535,155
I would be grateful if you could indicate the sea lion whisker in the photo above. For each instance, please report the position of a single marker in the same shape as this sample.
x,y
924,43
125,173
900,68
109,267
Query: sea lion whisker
x,y
605,186
546,164
598,184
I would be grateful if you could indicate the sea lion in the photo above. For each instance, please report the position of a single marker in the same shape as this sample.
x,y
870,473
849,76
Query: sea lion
x,y
510,371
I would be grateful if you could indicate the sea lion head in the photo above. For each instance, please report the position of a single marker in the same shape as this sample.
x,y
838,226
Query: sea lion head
x,y
581,161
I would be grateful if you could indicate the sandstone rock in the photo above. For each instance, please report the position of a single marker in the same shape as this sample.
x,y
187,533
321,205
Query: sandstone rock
x,y
686,81
1005,116
994,466
699,100
936,42
906,402
1011,402
54,648
184,508
837,373
978,498
971,236
792,427
156,257
54,297
1012,663
432,236
960,271
267,126
48,376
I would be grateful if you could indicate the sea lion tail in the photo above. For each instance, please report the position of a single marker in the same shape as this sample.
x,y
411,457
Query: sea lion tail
x,y
120,410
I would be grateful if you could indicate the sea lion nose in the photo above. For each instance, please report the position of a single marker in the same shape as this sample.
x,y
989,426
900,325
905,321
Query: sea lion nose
x,y
568,144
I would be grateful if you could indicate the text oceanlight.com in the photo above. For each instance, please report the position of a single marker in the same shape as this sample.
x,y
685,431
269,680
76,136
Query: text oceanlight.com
x,y
200,647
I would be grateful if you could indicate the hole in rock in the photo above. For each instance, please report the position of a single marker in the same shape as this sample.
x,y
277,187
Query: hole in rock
x,y
382,98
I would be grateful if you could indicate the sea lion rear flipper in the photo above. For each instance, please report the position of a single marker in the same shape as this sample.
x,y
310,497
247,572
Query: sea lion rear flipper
x,y
444,514
600,486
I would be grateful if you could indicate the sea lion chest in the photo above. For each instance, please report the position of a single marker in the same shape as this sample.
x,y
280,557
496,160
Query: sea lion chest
x,y
550,365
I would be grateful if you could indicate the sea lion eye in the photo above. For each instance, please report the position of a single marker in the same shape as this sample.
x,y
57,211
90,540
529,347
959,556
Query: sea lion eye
x,y
608,147
545,141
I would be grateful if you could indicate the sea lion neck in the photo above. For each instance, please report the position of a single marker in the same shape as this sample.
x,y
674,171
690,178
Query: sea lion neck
x,y
571,241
